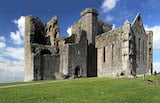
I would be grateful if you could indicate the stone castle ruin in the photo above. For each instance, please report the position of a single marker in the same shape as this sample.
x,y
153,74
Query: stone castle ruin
x,y
93,49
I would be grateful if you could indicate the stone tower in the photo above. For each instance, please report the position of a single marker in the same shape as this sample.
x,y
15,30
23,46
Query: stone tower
x,y
33,34
149,52
90,25
28,54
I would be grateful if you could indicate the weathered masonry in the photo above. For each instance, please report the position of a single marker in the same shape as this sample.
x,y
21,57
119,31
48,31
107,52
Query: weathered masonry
x,y
93,49
126,50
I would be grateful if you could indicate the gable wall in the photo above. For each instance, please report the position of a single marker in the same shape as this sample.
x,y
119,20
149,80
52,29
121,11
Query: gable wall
x,y
141,46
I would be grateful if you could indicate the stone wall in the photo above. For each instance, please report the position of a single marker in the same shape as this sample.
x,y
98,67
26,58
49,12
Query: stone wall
x,y
64,55
126,50
33,34
109,56
38,66
78,57
52,31
92,26
91,61
87,23
141,45
45,65
51,66
149,52
28,70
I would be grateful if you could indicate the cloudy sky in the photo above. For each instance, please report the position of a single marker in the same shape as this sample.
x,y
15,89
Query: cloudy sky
x,y
13,12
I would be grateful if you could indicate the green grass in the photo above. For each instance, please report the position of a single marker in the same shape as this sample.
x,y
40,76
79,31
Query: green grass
x,y
92,90
155,78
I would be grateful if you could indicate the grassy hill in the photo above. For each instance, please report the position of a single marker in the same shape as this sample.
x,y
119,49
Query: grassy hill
x,y
91,90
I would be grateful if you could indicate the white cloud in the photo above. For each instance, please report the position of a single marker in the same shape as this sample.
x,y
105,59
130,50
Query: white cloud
x,y
156,66
69,31
12,64
11,70
156,36
108,5
2,45
2,38
109,18
2,42
12,58
21,25
18,36
113,26
14,53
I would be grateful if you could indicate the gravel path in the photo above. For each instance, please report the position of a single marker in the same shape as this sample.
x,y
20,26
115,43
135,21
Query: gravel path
x,y
28,84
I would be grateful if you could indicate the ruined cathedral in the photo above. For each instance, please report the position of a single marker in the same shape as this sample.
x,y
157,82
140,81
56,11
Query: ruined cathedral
x,y
93,50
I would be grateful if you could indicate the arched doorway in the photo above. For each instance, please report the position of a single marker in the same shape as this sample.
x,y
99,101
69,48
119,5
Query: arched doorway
x,y
77,72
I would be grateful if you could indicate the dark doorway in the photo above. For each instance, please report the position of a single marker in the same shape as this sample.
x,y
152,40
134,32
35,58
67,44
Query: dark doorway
x,y
77,72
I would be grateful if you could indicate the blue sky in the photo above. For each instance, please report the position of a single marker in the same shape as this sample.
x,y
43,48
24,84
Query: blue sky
x,y
12,13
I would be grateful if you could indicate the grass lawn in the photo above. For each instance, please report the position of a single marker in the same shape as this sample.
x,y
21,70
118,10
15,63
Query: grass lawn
x,y
91,90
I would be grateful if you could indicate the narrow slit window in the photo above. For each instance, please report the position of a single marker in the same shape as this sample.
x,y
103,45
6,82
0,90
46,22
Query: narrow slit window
x,y
143,50
139,47
104,54
112,52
